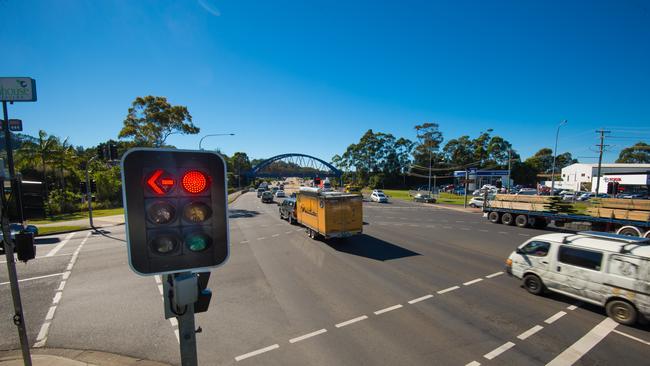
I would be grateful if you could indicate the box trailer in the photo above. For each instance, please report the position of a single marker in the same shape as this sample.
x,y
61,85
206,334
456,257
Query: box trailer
x,y
329,214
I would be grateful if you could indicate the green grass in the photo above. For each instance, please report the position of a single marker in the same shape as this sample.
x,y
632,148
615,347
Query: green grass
x,y
452,199
403,194
47,230
79,215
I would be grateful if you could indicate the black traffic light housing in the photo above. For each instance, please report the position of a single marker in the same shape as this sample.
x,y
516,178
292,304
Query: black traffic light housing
x,y
176,210
24,246
82,187
93,185
112,152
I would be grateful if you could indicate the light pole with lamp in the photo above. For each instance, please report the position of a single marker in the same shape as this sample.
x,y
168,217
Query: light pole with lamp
x,y
557,134
213,134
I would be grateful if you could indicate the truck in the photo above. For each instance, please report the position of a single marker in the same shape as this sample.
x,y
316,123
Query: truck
x,y
541,219
329,214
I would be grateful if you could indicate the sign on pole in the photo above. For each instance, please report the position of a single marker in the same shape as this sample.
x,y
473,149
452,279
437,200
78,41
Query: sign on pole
x,y
15,125
17,89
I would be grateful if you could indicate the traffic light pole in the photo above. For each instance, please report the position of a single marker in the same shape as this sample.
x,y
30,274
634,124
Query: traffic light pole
x,y
89,196
187,337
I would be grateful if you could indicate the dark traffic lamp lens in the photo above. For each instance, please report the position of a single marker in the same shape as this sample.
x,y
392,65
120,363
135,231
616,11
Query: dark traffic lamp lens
x,y
197,242
197,212
164,244
161,213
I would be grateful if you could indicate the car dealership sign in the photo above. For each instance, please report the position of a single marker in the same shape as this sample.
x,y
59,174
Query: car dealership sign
x,y
17,89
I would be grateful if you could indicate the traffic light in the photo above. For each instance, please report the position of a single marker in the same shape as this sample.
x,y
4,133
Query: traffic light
x,y
82,187
93,185
101,151
112,152
24,246
176,210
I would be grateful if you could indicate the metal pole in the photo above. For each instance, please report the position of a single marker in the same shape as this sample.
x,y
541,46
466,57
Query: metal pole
x,y
187,332
557,134
466,179
15,186
429,170
509,168
600,157
214,134
89,194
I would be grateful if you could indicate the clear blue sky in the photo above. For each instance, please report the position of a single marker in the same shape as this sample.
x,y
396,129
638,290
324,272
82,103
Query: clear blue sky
x,y
312,76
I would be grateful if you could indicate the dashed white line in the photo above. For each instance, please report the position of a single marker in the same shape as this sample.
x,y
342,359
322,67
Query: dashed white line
x,y
275,235
473,363
351,321
390,308
530,332
262,238
425,297
555,317
571,307
34,278
472,282
448,290
485,231
572,354
288,232
50,313
494,275
308,335
60,245
523,235
503,232
255,353
499,350
465,228
632,337
57,297
61,286
243,242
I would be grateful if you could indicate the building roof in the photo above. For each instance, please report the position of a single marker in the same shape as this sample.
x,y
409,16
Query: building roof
x,y
613,165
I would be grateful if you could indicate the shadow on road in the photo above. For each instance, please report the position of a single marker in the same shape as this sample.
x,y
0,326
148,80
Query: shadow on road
x,y
370,247
235,214
46,240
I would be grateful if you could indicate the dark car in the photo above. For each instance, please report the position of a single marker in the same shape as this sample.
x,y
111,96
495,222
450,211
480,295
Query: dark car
x,y
288,210
267,197
424,197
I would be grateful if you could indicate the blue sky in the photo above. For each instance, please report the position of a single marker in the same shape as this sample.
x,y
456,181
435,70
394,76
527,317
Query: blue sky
x,y
312,76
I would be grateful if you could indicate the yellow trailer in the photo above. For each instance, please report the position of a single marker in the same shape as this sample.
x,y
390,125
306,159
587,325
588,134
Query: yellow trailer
x,y
329,214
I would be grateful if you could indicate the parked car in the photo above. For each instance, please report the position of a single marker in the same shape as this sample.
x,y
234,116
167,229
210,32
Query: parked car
x,y
589,195
288,210
279,193
260,191
476,202
602,269
424,197
378,196
267,197
527,192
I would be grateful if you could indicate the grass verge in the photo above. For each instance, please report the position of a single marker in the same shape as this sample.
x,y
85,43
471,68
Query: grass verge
x,y
79,215
48,230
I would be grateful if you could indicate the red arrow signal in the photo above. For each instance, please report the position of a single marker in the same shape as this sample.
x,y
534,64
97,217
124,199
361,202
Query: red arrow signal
x,y
160,182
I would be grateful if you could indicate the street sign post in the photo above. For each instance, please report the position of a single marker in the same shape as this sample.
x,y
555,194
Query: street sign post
x,y
17,89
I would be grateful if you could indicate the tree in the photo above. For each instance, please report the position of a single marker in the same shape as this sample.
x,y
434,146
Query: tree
x,y
240,163
458,152
638,153
151,120
430,138
38,151
542,161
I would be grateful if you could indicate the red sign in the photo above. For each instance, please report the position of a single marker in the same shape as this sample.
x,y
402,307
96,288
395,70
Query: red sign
x,y
15,125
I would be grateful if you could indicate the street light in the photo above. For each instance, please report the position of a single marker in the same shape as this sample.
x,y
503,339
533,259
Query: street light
x,y
214,134
557,134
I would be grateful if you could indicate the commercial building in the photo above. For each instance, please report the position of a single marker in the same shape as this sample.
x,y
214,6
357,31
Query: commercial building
x,y
582,177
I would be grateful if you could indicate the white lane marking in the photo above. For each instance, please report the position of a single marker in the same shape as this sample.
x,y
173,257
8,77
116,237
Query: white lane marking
x,y
262,238
472,282
348,322
447,227
61,286
308,335
572,354
42,334
465,228
275,235
390,308
555,317
448,290
288,232
160,289
34,278
425,297
473,363
255,353
494,275
66,274
499,350
530,332
60,245
50,313
632,337
503,232
459,221
523,235
571,307
178,339
243,242
483,230
57,297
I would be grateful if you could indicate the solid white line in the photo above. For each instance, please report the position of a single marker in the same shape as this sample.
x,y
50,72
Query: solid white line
x,y
473,363
472,282
178,338
174,322
391,308
57,297
572,354
555,317
60,245
499,350
50,313
632,337
160,289
494,275
308,335
530,332
425,297
448,289
34,278
255,353
348,322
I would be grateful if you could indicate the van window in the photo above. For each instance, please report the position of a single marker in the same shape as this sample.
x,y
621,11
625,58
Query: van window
x,y
581,258
536,248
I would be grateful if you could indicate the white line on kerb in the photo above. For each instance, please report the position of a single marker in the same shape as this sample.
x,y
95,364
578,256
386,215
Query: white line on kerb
x,y
632,337
390,308
308,335
255,353
60,245
34,278
499,350
473,363
448,289
572,354
425,297
494,275
530,332
348,322
472,282
555,317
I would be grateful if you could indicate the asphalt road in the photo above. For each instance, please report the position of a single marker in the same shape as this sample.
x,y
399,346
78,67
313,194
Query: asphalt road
x,y
422,286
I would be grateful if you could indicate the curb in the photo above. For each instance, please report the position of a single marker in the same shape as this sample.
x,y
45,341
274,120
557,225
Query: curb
x,y
77,230
72,357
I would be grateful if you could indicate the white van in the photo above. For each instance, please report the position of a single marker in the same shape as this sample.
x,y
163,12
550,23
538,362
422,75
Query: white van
x,y
604,269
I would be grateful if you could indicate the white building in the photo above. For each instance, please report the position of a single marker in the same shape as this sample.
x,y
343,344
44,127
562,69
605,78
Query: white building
x,y
579,177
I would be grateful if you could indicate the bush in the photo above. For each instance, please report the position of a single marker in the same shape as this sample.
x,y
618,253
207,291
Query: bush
x,y
59,202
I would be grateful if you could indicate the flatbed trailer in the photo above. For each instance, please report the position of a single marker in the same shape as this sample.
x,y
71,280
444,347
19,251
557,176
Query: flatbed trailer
x,y
540,219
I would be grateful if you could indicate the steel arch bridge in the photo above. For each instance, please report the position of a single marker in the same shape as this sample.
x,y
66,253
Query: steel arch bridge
x,y
294,165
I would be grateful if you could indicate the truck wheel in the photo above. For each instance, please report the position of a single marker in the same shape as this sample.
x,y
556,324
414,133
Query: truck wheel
x,y
533,284
621,311
494,217
521,221
647,234
629,231
310,233
507,219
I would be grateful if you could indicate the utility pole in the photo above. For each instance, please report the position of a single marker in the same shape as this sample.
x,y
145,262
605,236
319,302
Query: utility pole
x,y
509,168
557,134
601,147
